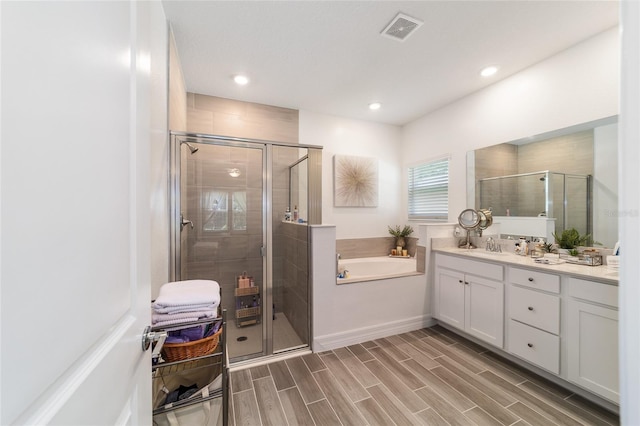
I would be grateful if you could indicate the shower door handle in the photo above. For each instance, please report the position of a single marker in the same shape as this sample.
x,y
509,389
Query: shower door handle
x,y
263,251
184,222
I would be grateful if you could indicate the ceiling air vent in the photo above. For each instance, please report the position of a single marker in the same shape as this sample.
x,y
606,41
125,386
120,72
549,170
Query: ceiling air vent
x,y
401,27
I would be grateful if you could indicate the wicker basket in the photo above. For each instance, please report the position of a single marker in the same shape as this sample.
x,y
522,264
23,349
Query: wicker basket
x,y
179,351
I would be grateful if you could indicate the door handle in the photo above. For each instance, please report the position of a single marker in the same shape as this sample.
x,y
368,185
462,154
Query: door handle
x,y
149,336
184,222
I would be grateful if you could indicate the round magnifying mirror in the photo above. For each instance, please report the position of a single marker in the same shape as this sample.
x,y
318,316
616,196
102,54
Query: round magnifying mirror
x,y
469,219
486,218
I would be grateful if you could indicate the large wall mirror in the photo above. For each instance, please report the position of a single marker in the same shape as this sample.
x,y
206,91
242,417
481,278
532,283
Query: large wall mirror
x,y
567,178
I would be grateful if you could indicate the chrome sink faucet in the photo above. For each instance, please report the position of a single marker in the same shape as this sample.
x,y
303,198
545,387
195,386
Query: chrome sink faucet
x,y
493,246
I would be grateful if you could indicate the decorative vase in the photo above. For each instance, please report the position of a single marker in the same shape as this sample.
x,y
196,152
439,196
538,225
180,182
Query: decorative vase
x,y
400,242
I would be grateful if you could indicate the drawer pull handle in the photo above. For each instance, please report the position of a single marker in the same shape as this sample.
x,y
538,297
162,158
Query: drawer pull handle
x,y
530,345
530,308
530,279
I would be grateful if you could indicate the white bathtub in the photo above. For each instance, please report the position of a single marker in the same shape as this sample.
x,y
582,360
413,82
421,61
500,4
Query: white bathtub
x,y
376,268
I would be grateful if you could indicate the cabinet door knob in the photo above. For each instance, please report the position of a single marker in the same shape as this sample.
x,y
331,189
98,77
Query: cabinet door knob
x,y
460,281
530,279
530,345
466,282
530,308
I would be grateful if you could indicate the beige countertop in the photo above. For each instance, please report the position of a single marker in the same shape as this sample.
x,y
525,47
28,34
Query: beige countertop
x,y
603,274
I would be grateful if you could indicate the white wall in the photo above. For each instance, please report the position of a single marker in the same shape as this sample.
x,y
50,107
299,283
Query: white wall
x,y
577,85
354,137
628,178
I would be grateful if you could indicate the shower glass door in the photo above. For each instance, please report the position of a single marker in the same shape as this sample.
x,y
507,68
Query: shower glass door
x,y
229,198
222,232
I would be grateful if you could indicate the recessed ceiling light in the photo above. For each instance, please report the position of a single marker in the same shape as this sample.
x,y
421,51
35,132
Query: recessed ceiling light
x,y
375,105
489,71
241,80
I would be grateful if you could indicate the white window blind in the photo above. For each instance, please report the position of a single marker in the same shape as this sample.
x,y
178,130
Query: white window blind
x,y
429,190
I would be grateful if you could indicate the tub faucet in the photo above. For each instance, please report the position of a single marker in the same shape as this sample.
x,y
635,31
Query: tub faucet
x,y
338,257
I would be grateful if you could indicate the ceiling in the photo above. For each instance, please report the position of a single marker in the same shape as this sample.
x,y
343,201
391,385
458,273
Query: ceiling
x,y
329,56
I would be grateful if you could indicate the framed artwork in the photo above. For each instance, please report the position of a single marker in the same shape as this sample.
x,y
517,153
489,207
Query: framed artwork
x,y
355,181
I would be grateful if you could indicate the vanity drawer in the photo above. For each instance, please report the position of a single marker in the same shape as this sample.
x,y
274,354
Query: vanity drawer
x,y
534,279
534,308
536,346
593,291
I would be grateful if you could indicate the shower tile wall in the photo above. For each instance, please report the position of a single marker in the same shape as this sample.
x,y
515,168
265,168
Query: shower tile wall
x,y
295,289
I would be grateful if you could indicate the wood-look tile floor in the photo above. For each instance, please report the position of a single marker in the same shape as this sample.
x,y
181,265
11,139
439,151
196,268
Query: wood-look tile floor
x,y
425,377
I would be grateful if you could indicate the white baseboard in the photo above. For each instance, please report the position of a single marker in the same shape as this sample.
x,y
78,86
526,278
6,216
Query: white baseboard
x,y
359,335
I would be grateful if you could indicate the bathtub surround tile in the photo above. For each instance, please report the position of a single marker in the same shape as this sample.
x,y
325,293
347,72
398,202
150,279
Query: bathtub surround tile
x,y
421,258
372,247
450,392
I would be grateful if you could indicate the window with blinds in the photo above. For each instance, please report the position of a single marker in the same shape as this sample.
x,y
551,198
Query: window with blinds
x,y
429,190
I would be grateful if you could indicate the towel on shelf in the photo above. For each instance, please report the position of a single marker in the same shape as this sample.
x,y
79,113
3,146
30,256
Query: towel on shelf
x,y
190,292
185,308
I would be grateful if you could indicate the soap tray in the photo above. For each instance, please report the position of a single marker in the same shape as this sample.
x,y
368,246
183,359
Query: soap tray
x,y
403,257
590,260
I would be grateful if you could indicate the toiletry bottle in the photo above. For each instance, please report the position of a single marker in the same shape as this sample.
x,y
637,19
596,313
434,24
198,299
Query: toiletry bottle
x,y
295,213
287,214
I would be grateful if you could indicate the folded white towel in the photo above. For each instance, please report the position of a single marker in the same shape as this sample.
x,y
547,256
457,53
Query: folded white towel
x,y
190,292
156,318
185,308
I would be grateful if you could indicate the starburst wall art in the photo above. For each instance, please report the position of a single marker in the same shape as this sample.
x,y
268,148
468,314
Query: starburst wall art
x,y
355,181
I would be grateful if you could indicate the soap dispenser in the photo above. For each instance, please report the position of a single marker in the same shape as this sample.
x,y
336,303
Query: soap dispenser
x,y
287,214
295,213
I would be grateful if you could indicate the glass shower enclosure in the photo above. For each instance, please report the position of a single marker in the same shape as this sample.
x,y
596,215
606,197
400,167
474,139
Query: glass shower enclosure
x,y
228,198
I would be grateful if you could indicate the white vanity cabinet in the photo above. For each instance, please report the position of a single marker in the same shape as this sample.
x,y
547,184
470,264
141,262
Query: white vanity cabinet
x,y
592,337
469,295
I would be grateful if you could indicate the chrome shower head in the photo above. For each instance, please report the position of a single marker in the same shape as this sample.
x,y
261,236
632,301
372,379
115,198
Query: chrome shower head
x,y
192,148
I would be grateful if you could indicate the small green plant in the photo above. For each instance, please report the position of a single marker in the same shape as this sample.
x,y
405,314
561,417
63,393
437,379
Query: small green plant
x,y
573,252
570,239
401,232
547,247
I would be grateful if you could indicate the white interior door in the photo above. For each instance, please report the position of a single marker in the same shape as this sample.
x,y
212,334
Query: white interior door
x,y
76,128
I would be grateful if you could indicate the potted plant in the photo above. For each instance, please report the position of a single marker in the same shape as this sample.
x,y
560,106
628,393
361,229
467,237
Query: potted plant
x,y
400,234
569,239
